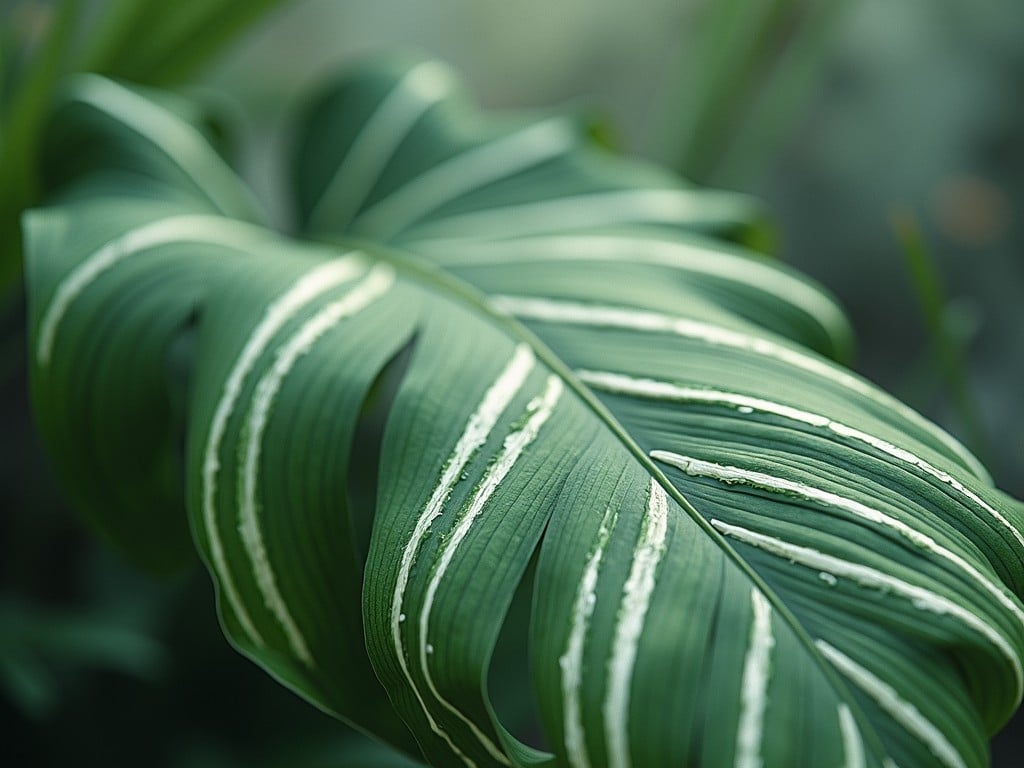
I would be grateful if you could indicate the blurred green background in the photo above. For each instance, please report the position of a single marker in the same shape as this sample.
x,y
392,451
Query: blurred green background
x,y
887,138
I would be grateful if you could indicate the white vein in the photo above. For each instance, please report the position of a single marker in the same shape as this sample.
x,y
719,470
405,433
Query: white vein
x,y
539,410
687,257
921,598
662,390
737,475
571,662
368,290
853,744
495,401
575,313
463,173
379,137
590,209
636,598
901,710
312,284
191,228
180,142
754,684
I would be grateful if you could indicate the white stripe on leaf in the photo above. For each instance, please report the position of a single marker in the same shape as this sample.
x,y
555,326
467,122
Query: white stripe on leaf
x,y
312,284
360,296
469,171
901,710
636,598
575,313
853,745
737,475
593,209
494,403
377,141
636,248
864,576
603,316
754,684
538,411
190,228
571,662
663,390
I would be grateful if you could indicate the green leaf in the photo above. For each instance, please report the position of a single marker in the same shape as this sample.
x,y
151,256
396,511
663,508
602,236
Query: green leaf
x,y
398,156
515,375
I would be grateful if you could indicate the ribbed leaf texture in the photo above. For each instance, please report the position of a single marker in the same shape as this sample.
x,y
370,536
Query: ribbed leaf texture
x,y
511,457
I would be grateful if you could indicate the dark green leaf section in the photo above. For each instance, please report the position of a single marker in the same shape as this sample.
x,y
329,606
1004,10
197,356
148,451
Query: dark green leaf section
x,y
740,553
398,154
113,135
425,126
132,469
126,469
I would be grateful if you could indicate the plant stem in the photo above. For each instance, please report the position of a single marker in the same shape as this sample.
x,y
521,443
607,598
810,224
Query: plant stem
x,y
948,350
20,136
715,76
775,106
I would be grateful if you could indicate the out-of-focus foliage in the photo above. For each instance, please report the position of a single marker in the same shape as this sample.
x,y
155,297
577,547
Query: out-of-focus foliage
x,y
146,41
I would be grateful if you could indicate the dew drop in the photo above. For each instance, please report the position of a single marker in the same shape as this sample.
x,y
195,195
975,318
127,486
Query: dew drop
x,y
401,617
745,409
430,648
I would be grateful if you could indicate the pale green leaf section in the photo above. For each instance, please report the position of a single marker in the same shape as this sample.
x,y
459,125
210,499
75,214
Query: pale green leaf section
x,y
177,144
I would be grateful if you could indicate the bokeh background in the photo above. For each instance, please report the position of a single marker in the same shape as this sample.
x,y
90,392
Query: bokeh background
x,y
886,137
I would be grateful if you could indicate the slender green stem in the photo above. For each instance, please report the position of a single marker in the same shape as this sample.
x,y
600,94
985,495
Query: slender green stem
x,y
122,24
20,134
776,105
716,75
741,82
164,43
948,350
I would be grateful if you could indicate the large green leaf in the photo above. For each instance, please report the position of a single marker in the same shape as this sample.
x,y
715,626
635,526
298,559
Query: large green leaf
x,y
516,409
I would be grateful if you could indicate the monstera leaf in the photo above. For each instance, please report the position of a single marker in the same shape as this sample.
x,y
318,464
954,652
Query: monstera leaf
x,y
511,428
